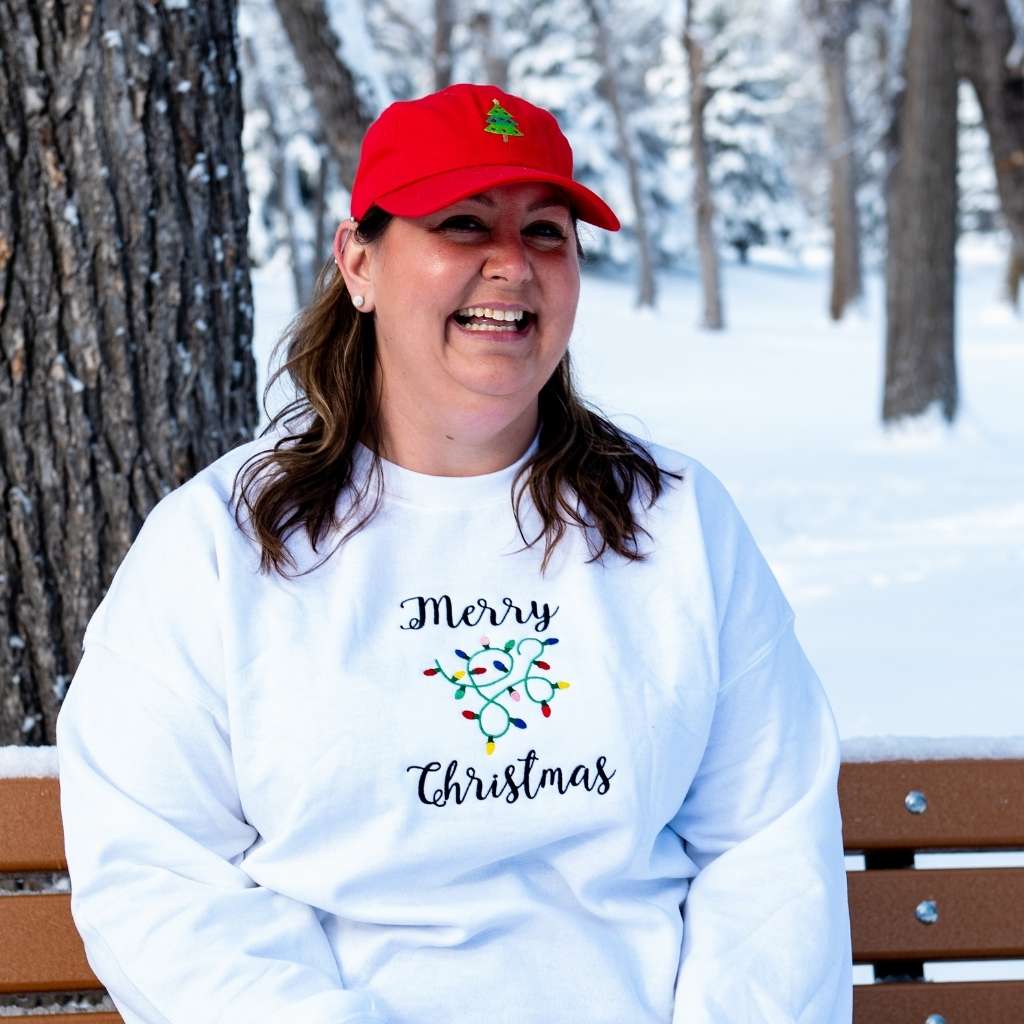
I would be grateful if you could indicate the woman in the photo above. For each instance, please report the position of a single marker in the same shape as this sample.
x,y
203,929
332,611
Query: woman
x,y
448,701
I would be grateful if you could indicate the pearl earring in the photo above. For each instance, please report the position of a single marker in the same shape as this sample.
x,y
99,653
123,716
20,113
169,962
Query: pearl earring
x,y
357,301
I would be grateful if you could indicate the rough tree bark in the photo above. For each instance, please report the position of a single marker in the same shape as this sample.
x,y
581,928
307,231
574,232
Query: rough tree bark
x,y
125,305
921,203
712,317
645,283
834,21
330,82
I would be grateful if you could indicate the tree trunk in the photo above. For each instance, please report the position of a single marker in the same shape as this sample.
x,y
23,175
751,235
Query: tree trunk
x,y
920,366
1014,273
489,43
125,305
846,269
330,82
703,203
995,68
646,285
834,21
443,25
322,219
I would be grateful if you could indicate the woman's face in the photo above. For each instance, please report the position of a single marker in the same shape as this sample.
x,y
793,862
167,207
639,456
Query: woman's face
x,y
511,248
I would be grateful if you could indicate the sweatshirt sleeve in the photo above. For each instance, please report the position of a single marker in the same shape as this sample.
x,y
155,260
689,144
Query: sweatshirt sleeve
x,y
766,932
154,829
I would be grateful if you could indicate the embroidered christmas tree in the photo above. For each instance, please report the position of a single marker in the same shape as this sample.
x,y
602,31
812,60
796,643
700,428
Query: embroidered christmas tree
x,y
501,122
494,681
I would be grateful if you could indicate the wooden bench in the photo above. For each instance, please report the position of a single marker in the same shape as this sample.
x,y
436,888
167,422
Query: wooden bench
x,y
900,916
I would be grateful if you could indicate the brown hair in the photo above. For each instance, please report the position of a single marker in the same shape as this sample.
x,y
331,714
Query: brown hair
x,y
331,356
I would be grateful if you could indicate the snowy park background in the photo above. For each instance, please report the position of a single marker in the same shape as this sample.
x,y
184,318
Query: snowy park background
x,y
901,548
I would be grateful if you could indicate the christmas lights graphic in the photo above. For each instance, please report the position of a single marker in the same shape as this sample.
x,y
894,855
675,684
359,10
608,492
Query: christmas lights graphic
x,y
494,675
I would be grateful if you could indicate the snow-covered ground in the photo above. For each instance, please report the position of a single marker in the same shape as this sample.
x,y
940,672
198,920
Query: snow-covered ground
x,y
902,553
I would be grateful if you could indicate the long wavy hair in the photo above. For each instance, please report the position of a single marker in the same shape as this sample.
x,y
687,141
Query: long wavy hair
x,y
584,473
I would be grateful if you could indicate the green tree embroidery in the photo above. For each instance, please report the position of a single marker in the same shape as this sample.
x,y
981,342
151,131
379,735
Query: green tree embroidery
x,y
501,122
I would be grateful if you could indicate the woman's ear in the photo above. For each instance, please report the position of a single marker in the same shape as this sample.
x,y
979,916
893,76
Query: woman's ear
x,y
353,260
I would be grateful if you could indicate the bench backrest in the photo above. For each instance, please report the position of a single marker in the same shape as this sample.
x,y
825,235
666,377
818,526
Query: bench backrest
x,y
901,916
42,952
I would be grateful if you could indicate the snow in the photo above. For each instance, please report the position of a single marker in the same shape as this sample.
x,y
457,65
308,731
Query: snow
x,y
28,762
927,748
901,551
198,171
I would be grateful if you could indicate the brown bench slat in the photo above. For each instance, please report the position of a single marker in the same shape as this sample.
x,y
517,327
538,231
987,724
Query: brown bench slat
x,y
43,951
987,1002
978,914
971,804
31,836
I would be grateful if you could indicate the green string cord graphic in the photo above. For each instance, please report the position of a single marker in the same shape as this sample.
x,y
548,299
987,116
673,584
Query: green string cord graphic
x,y
492,691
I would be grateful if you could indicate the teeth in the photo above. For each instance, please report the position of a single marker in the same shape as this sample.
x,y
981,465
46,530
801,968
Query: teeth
x,y
482,327
493,314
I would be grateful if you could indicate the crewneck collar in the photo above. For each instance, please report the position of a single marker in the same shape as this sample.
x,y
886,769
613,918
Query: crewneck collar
x,y
423,489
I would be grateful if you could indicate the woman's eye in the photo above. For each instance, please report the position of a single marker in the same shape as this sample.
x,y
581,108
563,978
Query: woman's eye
x,y
463,224
548,229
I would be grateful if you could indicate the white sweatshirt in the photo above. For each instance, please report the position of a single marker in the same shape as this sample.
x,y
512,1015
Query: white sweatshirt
x,y
425,784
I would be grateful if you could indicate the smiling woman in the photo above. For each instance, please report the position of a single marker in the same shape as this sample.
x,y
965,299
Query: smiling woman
x,y
508,260
436,774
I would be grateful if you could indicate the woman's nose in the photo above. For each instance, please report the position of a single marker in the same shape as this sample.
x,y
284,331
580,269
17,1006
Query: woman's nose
x,y
508,259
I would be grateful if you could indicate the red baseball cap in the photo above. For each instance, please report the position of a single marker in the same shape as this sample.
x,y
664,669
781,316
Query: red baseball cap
x,y
422,155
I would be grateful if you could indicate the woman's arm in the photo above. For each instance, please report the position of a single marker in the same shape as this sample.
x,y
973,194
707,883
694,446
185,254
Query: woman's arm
x,y
766,926
154,827
154,833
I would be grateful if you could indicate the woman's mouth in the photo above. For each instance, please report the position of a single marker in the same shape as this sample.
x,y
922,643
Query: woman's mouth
x,y
497,325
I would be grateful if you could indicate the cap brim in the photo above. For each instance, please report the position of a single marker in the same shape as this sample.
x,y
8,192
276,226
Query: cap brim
x,y
440,190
